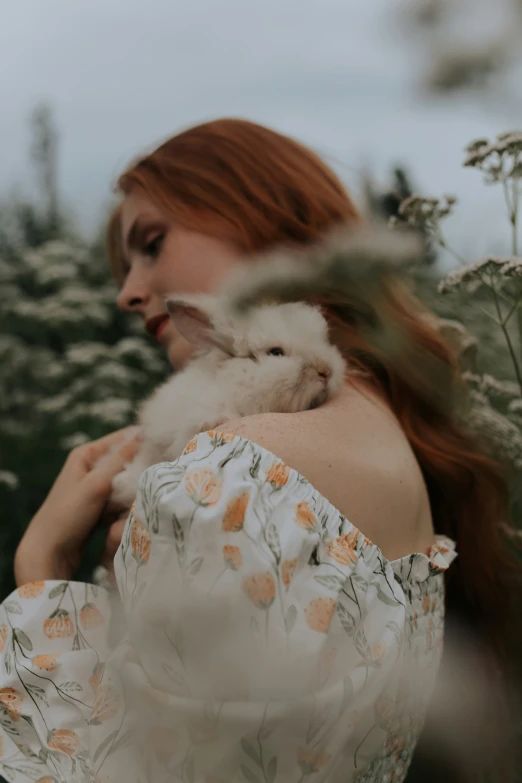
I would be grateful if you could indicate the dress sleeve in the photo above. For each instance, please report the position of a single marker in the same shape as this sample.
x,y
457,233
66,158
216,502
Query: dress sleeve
x,y
53,647
264,629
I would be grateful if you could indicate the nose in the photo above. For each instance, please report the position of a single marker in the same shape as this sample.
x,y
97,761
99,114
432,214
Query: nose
x,y
324,372
134,294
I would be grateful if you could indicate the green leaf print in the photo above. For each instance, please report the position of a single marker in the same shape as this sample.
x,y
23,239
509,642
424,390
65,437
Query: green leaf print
x,y
37,692
273,541
386,599
251,751
123,741
271,771
104,745
195,566
179,538
361,643
70,686
346,619
58,590
331,582
22,638
254,469
249,775
13,607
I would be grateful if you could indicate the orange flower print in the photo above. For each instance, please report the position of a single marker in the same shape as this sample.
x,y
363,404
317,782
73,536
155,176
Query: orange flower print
x,y
278,475
378,652
233,558
234,515
191,446
319,613
105,706
31,590
287,571
64,741
46,779
311,761
395,744
384,713
132,509
261,589
304,516
426,604
47,662
12,701
219,438
342,549
140,541
58,625
202,486
95,678
4,633
91,617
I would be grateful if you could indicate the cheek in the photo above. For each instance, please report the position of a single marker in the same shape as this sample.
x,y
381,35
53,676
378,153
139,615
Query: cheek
x,y
190,270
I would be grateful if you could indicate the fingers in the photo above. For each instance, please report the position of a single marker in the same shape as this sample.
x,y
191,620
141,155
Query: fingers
x,y
114,463
90,453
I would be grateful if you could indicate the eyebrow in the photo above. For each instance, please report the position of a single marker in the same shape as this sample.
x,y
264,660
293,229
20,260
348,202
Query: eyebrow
x,y
134,238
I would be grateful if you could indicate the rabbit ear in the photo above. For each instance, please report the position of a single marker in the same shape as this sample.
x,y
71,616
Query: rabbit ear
x,y
193,319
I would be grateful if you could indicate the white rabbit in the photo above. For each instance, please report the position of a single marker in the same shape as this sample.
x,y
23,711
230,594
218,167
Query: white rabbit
x,y
275,358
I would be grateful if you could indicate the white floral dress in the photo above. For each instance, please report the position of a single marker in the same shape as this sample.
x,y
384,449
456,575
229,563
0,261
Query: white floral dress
x,y
267,640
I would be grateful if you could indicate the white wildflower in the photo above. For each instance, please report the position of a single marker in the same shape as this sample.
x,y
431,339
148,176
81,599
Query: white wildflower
x,y
114,412
72,441
485,271
87,354
9,480
113,372
425,213
55,404
55,272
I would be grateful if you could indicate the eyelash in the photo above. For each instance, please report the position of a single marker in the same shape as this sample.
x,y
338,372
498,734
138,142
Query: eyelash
x,y
152,248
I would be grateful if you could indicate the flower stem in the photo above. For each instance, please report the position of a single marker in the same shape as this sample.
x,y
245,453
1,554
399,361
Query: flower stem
x,y
503,326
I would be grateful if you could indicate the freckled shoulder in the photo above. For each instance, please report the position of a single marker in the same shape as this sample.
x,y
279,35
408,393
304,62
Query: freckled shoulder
x,y
356,454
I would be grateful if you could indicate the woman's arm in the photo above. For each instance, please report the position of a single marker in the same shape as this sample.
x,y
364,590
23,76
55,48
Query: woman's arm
x,y
53,543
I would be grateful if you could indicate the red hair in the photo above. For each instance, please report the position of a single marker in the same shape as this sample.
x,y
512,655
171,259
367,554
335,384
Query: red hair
x,y
238,180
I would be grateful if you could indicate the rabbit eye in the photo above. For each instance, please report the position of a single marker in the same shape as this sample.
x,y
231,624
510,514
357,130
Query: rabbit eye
x,y
275,352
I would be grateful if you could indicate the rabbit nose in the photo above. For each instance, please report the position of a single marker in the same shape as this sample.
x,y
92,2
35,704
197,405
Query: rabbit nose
x,y
325,373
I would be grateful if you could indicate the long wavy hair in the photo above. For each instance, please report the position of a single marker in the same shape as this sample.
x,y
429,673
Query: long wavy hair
x,y
240,181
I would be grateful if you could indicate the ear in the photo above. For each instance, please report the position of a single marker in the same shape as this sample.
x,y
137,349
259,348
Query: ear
x,y
193,318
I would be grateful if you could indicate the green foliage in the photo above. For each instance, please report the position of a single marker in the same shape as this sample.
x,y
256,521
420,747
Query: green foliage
x,y
72,367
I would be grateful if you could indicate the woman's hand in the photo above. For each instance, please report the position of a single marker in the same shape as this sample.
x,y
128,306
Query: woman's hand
x,y
53,543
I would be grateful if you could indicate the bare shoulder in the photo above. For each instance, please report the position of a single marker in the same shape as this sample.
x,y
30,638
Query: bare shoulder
x,y
355,453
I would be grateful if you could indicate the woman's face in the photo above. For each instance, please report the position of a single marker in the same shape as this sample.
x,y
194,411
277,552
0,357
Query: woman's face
x,y
164,258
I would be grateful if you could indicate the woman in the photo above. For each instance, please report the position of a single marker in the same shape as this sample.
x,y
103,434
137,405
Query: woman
x,y
366,609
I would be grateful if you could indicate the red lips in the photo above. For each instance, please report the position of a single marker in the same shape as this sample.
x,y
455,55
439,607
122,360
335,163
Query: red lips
x,y
155,324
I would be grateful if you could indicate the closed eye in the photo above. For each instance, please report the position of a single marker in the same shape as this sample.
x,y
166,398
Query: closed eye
x,y
152,248
275,352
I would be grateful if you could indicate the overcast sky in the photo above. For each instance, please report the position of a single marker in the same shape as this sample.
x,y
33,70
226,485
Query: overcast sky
x,y
338,74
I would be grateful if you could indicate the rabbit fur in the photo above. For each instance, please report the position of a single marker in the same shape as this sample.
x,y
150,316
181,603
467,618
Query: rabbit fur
x,y
275,358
